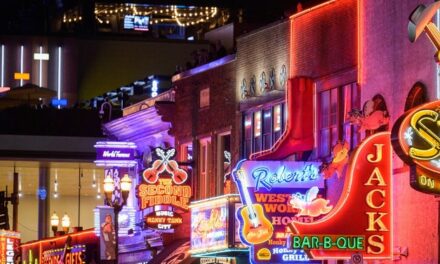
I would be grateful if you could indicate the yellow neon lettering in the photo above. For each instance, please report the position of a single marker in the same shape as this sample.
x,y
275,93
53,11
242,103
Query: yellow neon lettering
x,y
376,176
369,198
371,158
418,124
375,241
372,221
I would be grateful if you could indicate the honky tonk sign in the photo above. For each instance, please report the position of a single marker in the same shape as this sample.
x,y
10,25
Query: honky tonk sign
x,y
164,183
278,223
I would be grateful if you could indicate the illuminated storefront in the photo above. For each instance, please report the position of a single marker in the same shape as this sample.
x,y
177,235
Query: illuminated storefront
x,y
76,248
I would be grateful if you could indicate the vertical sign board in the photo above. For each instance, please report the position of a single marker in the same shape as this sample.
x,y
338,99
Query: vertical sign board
x,y
417,142
164,191
9,246
273,194
361,221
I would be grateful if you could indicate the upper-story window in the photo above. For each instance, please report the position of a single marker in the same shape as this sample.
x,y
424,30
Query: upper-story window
x,y
333,106
204,98
262,128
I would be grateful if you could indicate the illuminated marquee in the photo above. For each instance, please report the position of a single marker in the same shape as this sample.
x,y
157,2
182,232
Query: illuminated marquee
x,y
274,193
75,255
361,221
417,142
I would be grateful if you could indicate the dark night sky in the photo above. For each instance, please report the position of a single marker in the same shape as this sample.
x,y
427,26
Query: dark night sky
x,y
33,16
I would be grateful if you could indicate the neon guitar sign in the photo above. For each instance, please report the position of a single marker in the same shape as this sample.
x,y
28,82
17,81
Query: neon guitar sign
x,y
164,183
255,227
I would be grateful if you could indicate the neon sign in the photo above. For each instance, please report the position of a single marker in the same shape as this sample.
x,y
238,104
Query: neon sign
x,y
9,243
417,143
274,193
361,221
163,220
164,183
114,153
212,229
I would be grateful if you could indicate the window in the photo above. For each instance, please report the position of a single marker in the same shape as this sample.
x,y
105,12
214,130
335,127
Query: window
x,y
267,128
334,104
277,122
204,186
186,152
247,136
262,128
257,131
204,98
224,180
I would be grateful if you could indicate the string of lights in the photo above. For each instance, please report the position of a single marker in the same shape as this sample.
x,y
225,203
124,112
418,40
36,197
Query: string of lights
x,y
183,16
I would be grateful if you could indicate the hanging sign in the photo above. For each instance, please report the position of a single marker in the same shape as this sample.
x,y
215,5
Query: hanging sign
x,y
273,194
417,142
164,183
114,153
361,222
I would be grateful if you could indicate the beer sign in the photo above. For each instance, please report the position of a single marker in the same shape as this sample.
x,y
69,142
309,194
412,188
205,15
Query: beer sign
x,y
416,139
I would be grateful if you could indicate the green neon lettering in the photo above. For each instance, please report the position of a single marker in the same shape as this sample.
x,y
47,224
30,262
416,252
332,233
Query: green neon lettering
x,y
327,242
315,242
296,243
344,243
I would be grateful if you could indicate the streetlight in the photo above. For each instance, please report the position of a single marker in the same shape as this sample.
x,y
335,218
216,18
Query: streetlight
x,y
54,222
117,204
65,223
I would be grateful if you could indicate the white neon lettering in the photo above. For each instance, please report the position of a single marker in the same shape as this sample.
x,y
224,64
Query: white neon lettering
x,y
265,178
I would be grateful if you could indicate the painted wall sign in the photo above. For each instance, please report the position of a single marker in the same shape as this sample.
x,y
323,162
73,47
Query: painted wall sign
x,y
416,140
274,193
9,246
361,221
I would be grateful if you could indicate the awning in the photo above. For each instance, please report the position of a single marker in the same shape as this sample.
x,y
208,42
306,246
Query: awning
x,y
177,252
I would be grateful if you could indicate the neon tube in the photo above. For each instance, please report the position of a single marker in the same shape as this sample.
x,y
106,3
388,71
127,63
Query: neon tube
x,y
3,67
40,72
59,74
21,62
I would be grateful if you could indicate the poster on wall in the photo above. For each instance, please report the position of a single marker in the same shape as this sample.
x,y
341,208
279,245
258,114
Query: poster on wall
x,y
107,238
275,193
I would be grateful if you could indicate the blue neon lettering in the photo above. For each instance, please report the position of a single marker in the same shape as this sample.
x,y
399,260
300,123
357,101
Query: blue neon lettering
x,y
266,179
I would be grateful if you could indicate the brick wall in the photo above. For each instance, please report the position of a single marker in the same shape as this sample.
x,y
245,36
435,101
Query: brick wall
x,y
324,40
193,123
391,65
260,51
